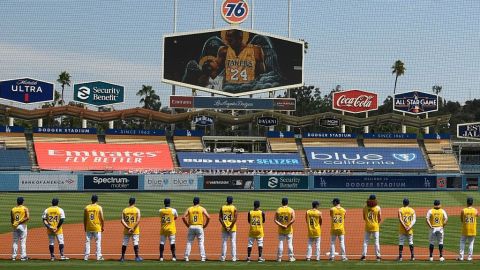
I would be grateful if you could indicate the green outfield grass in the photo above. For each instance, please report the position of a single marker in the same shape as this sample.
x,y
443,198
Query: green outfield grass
x,y
147,265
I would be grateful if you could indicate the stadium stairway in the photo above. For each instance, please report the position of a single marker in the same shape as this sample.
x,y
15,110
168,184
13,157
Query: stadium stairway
x,y
301,151
31,152
173,153
425,155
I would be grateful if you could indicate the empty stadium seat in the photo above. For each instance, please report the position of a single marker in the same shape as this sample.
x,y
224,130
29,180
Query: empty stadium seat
x,y
283,145
188,143
13,140
17,159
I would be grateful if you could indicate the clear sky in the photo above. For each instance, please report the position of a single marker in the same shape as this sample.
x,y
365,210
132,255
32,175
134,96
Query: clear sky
x,y
351,43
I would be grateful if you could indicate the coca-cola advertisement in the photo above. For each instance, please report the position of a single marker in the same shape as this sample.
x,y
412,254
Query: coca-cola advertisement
x,y
355,101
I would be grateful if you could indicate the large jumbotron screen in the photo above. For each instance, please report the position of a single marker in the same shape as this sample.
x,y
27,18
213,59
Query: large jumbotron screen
x,y
232,62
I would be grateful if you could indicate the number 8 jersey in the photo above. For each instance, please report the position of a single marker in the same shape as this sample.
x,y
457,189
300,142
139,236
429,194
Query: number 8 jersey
x,y
92,218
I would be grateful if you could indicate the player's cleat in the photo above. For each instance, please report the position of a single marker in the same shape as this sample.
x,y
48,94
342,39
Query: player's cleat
x,y
344,259
85,258
412,259
138,259
186,259
174,259
122,259
161,259
234,259
318,259
52,258
430,259
64,258
248,259
442,259
222,259
459,259
260,260
24,259
13,259
469,258
362,258
308,259
279,260
379,259
292,259
204,259
400,259
100,259
332,259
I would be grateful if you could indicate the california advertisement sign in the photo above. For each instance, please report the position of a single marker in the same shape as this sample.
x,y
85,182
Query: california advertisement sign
x,y
355,101
117,157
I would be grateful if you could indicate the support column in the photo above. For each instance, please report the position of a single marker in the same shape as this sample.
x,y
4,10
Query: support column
x,y
404,128
40,122
10,121
84,123
365,128
110,124
427,129
343,125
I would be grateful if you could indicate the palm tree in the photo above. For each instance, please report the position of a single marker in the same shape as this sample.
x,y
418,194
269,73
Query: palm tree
x,y
398,69
150,99
437,89
64,79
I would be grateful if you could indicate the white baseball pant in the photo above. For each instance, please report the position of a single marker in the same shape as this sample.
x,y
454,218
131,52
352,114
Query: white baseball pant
x,y
98,243
195,231
436,234
376,239
233,241
20,235
341,239
312,241
289,239
463,241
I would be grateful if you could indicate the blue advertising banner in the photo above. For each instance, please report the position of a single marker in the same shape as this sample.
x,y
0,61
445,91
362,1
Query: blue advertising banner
x,y
280,134
12,129
98,93
58,130
469,130
437,136
26,90
389,136
193,133
148,132
360,158
204,102
359,182
223,161
415,102
329,135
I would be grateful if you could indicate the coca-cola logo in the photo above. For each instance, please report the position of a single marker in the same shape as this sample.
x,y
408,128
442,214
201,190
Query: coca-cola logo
x,y
355,101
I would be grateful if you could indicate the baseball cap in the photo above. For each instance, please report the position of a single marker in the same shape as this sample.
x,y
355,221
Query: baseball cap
x,y
336,201
55,201
436,202
372,197
406,201
256,203
315,204
131,200
229,199
284,201
19,200
166,201
196,200
470,200
94,198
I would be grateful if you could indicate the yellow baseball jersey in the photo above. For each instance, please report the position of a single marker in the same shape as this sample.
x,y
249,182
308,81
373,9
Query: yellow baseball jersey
x,y
437,217
312,218
18,213
53,215
407,215
256,224
195,215
167,219
228,213
130,216
337,225
371,216
469,221
92,218
241,68
284,215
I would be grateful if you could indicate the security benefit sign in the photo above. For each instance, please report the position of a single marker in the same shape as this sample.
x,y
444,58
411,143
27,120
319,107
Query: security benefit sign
x,y
469,131
98,93
170,182
110,182
232,62
117,157
284,182
415,102
228,182
360,158
26,90
223,161
360,182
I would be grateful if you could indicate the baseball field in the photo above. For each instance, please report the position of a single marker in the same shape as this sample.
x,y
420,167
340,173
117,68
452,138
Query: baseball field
x,y
149,203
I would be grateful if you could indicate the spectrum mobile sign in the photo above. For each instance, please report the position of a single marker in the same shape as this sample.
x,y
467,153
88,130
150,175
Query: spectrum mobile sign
x,y
117,157
98,93
26,90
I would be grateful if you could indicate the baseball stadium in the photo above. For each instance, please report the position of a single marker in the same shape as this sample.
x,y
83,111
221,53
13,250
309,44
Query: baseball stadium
x,y
239,134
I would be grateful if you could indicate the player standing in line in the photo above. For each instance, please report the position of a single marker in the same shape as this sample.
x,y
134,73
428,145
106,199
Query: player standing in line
x,y
313,217
337,229
372,215
256,219
93,224
53,218
168,229
468,217
196,218
228,219
131,229
407,218
19,216
436,219
284,218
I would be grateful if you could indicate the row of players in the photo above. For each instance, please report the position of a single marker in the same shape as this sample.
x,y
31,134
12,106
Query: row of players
x,y
196,219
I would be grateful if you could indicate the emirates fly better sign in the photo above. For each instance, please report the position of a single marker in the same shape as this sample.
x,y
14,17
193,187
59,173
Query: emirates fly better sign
x,y
355,101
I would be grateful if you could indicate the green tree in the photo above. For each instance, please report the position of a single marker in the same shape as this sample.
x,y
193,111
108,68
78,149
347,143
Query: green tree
x,y
149,98
398,69
64,79
436,89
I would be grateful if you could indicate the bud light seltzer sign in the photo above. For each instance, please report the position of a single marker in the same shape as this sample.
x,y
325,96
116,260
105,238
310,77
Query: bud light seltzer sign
x,y
415,102
355,101
26,90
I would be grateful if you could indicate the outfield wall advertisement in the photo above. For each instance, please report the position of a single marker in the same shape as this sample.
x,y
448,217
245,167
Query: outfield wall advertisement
x,y
110,182
286,182
206,161
361,158
357,182
47,182
170,182
228,182
89,156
